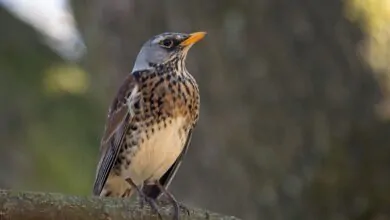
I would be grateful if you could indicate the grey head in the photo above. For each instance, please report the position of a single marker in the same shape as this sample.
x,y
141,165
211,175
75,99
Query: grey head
x,y
164,47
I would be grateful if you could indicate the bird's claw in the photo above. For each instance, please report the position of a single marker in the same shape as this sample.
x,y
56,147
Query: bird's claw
x,y
141,200
184,209
153,205
179,207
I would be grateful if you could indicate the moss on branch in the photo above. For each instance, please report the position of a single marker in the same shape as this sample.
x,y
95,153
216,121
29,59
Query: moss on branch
x,y
42,206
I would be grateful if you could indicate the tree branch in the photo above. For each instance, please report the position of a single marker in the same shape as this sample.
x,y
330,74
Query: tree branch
x,y
42,206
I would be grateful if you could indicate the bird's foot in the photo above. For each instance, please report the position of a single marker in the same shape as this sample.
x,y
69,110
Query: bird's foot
x,y
141,201
152,203
184,209
145,199
178,208
127,193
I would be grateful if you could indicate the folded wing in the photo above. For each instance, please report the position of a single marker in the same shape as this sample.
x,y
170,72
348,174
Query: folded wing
x,y
118,121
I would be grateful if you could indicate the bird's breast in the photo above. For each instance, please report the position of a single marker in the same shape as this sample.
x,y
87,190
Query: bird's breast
x,y
166,110
167,95
159,145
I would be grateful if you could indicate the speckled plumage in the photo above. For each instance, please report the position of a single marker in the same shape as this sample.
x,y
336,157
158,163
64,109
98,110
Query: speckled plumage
x,y
149,125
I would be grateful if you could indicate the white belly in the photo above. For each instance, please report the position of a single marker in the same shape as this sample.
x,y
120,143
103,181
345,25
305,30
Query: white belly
x,y
157,154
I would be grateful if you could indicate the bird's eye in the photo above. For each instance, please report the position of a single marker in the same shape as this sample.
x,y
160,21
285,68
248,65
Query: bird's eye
x,y
168,43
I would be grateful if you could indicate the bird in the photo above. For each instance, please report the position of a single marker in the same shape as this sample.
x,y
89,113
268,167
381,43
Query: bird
x,y
150,122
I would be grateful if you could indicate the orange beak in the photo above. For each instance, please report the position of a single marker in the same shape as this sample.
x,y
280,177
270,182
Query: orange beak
x,y
193,38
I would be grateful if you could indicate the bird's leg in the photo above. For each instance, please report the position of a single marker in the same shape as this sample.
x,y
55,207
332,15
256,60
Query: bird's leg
x,y
174,202
126,193
144,198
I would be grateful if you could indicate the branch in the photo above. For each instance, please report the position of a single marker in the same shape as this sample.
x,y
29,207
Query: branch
x,y
42,206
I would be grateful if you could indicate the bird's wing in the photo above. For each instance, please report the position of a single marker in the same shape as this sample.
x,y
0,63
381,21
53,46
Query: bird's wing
x,y
118,121
153,191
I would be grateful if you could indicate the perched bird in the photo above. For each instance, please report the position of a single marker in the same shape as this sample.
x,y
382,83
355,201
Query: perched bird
x,y
150,122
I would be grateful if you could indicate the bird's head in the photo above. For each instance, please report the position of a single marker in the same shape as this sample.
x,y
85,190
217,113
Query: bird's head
x,y
165,47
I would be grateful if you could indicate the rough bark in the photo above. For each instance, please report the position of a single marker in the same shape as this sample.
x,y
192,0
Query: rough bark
x,y
33,205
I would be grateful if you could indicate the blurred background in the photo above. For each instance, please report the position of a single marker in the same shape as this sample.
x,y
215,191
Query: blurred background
x,y
295,115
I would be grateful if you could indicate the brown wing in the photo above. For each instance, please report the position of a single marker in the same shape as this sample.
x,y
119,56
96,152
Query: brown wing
x,y
117,124
153,191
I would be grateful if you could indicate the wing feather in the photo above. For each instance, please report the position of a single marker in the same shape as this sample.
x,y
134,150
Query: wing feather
x,y
118,121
